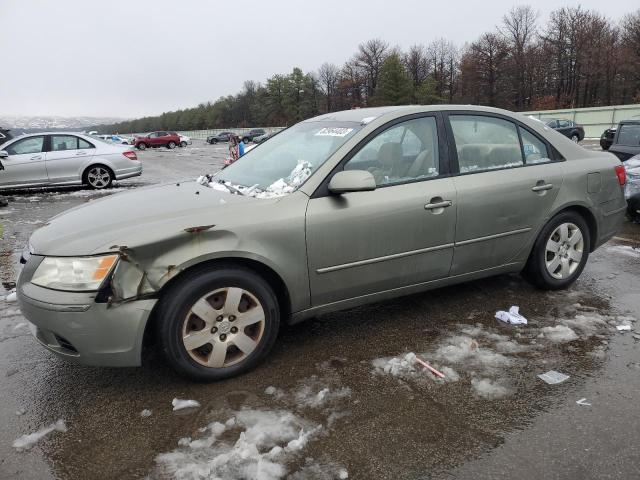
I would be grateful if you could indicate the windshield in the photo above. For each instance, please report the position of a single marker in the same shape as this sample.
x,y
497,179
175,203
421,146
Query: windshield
x,y
283,163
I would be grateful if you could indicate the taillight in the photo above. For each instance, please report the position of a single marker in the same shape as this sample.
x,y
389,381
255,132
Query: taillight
x,y
621,173
130,155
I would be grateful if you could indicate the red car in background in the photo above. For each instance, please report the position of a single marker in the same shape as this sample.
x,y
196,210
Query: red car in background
x,y
157,139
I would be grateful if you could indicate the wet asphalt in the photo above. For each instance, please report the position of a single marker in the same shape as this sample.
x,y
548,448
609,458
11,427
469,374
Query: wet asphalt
x,y
389,427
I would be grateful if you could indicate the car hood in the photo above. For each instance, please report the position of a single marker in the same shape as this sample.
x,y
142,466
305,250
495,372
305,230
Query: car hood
x,y
140,217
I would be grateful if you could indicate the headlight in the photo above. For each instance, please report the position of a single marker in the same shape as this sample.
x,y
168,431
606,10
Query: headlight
x,y
74,274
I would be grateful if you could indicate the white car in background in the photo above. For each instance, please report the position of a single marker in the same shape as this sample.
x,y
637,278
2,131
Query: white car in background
x,y
61,158
184,140
115,139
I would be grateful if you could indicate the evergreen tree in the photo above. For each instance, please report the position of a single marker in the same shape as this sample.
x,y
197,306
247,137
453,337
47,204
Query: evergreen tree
x,y
394,85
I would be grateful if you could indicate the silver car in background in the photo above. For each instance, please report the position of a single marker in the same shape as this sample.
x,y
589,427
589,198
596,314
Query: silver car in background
x,y
61,158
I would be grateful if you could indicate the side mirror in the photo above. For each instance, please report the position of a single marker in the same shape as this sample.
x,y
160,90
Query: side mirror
x,y
352,181
3,154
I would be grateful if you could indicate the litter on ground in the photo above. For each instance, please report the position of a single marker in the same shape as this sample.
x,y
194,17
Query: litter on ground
x,y
583,402
181,404
623,328
512,316
27,441
11,297
428,367
146,413
552,377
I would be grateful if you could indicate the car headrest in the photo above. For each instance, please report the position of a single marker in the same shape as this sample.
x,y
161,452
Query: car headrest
x,y
389,154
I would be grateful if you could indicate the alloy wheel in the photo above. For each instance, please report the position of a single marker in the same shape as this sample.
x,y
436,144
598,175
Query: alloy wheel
x,y
223,327
99,177
564,250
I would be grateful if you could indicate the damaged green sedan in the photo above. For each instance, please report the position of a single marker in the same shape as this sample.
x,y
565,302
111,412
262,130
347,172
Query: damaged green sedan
x,y
337,211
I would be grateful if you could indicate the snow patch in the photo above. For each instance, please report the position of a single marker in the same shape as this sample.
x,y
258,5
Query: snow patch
x,y
559,334
179,404
488,388
306,397
27,441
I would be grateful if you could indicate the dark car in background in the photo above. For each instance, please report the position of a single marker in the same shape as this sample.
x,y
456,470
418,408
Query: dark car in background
x,y
626,141
250,137
220,137
606,139
157,139
568,128
262,138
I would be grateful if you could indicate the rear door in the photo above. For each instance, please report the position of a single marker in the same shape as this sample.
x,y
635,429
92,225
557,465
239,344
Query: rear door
x,y
398,235
25,163
506,185
67,156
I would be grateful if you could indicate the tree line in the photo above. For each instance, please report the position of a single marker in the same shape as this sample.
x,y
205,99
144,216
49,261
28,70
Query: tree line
x,y
578,58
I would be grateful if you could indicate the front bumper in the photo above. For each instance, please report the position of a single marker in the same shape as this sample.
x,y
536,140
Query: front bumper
x,y
74,326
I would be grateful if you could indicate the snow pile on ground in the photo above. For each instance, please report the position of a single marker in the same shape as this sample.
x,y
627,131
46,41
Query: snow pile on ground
x,y
179,404
27,441
145,413
305,396
559,334
406,367
625,250
488,388
251,444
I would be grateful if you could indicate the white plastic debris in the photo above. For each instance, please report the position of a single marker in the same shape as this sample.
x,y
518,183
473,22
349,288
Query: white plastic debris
x,y
552,377
11,297
27,441
343,474
146,413
623,328
512,316
179,404
583,402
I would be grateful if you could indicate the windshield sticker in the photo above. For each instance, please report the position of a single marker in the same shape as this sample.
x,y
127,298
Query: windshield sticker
x,y
334,132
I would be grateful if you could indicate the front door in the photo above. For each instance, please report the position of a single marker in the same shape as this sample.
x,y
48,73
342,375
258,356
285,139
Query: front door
x,y
506,186
25,164
398,235
66,157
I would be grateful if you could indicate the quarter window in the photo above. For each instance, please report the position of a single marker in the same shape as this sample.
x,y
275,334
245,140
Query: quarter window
x,y
535,151
26,146
405,152
485,143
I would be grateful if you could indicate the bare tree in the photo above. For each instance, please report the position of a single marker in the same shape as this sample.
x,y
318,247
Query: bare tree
x,y
370,57
328,79
415,61
443,61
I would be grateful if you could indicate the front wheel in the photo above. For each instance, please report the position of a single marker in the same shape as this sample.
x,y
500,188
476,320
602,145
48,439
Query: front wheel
x,y
218,324
98,177
183,144
246,140
575,138
141,146
559,253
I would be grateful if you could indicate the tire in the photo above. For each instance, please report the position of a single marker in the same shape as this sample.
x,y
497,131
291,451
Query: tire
x,y
141,146
575,138
246,140
98,177
183,144
171,145
207,291
551,269
214,141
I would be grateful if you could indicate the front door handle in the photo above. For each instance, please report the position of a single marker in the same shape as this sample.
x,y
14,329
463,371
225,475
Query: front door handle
x,y
543,187
37,157
438,204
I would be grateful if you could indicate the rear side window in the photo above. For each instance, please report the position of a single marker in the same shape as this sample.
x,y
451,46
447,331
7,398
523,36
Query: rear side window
x,y
629,134
535,150
26,146
60,143
485,143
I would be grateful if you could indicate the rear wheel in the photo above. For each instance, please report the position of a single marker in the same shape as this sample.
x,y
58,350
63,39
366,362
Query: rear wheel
x,y
246,140
218,324
559,253
98,177
171,145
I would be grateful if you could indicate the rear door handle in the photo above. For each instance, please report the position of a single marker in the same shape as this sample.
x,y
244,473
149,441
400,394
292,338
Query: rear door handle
x,y
540,188
80,153
442,204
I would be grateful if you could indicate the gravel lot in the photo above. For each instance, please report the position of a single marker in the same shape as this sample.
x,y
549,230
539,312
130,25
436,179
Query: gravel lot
x,y
335,391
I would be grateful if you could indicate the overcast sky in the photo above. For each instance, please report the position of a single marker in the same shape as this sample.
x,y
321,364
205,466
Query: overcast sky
x,y
127,58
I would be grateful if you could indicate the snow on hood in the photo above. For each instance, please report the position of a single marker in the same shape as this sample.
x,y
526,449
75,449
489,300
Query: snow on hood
x,y
279,188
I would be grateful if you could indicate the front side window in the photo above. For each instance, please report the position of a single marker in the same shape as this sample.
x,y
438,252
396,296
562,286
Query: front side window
x,y
26,146
283,163
485,143
629,134
404,152
535,150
